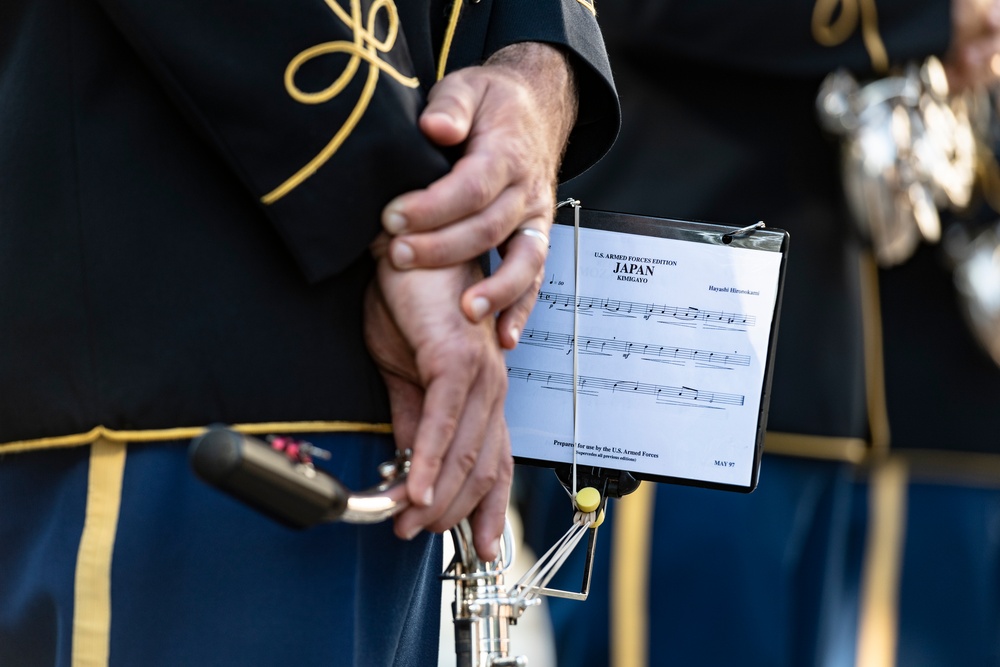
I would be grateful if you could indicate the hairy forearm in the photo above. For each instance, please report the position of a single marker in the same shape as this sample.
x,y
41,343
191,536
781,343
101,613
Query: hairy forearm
x,y
547,75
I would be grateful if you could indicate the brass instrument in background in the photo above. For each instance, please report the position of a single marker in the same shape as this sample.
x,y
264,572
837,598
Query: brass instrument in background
x,y
975,256
912,150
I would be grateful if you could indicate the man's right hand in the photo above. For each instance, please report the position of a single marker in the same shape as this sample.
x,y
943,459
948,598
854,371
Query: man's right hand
x,y
447,382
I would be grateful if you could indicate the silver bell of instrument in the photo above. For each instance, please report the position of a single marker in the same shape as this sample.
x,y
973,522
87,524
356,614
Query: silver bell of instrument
x,y
975,258
908,151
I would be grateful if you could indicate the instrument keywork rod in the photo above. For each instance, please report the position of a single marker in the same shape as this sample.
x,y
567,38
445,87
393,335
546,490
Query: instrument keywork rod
x,y
280,480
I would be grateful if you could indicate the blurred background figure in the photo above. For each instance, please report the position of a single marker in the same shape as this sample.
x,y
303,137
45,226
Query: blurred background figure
x,y
874,536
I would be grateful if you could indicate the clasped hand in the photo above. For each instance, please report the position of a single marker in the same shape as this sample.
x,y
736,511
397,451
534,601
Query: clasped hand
x,y
513,116
430,320
446,381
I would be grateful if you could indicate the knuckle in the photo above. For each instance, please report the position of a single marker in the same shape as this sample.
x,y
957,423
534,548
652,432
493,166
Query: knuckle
x,y
430,252
484,478
526,304
437,527
477,192
447,425
502,379
539,253
466,461
536,285
440,525
507,466
456,95
464,357
495,228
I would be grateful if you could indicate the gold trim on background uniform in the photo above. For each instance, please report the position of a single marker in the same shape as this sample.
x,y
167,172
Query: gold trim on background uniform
x,y
189,432
92,581
631,553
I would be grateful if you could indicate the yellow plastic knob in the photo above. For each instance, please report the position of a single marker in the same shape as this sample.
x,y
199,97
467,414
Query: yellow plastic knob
x,y
588,499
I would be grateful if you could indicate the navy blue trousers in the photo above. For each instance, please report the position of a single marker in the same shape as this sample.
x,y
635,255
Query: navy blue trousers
x,y
197,578
775,578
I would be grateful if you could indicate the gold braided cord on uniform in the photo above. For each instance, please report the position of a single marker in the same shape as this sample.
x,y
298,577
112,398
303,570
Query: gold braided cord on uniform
x,y
365,46
188,432
832,32
589,4
449,37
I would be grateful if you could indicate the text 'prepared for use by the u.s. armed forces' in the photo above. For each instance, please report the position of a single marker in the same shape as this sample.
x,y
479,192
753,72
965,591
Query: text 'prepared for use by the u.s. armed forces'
x,y
671,338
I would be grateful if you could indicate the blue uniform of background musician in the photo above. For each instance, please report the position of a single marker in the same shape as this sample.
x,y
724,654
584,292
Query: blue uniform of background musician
x,y
832,549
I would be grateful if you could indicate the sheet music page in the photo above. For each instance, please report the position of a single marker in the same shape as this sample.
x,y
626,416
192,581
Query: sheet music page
x,y
672,348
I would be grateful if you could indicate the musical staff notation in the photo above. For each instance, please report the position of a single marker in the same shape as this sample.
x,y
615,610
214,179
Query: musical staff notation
x,y
663,393
648,349
646,310
606,346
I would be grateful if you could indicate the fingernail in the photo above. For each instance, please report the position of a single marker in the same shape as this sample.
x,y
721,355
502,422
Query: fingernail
x,y
515,334
429,497
402,255
443,114
413,532
496,548
479,306
393,219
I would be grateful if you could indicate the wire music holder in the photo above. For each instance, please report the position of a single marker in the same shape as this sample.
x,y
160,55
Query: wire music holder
x,y
620,257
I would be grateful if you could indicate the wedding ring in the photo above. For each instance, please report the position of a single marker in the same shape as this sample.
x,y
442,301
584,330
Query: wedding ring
x,y
533,233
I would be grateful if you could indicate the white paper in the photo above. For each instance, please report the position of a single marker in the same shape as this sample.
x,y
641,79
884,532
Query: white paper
x,y
672,346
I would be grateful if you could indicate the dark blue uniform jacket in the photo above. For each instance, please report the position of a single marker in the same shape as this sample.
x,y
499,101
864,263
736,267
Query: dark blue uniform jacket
x,y
188,189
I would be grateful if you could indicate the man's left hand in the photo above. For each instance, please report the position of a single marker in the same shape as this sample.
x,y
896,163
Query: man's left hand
x,y
514,114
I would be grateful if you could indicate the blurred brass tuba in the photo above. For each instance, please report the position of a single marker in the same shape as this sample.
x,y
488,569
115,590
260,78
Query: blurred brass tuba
x,y
911,150
908,151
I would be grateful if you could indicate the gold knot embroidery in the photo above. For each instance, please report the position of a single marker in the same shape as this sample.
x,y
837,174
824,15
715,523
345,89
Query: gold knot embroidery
x,y
589,4
364,46
832,32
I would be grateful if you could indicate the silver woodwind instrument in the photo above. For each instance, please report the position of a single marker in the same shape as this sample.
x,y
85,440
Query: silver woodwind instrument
x,y
278,478
484,609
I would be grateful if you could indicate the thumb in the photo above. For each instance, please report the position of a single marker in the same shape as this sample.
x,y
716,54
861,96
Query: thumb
x,y
451,106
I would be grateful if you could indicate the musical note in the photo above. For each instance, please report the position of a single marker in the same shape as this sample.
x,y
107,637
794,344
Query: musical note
x,y
649,351
615,307
682,393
